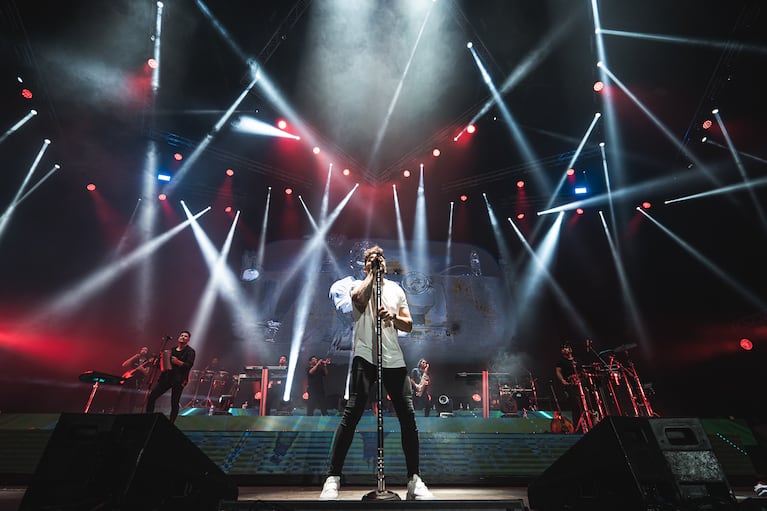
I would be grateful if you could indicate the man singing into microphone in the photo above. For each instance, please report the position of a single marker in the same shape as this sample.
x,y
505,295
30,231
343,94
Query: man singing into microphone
x,y
395,315
174,377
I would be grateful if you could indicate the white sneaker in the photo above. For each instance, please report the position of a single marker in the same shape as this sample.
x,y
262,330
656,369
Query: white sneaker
x,y
417,489
330,488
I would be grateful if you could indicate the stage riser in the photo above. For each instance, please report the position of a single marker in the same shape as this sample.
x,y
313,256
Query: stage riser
x,y
295,450
442,505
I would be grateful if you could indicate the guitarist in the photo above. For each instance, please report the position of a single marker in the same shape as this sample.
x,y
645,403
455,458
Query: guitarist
x,y
567,371
421,381
136,369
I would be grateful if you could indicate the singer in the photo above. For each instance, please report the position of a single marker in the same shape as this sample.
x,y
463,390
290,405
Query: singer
x,y
394,315
175,379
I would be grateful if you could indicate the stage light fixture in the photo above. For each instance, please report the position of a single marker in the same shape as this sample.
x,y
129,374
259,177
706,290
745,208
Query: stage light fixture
x,y
228,209
162,197
520,184
581,190
178,156
707,124
599,86
469,45
26,93
471,128
464,198
282,124
579,211
229,172
288,191
346,172
90,187
436,152
715,111
250,274
646,205
151,63
164,177
746,344
570,172
316,150
406,173
520,216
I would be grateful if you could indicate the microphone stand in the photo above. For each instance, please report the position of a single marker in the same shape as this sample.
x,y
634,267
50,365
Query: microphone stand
x,y
153,371
380,493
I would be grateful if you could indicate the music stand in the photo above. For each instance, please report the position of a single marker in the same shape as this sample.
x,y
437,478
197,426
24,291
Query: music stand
x,y
380,493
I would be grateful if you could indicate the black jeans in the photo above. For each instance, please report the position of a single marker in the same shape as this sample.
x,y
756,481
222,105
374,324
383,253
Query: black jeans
x,y
397,385
163,384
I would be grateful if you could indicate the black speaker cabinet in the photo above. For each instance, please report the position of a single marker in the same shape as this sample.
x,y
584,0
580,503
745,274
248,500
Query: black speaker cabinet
x,y
632,463
121,462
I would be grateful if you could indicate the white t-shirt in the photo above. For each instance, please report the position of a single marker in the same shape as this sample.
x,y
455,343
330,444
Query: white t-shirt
x,y
393,299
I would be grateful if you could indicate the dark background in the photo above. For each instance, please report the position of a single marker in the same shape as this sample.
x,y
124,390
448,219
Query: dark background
x,y
85,63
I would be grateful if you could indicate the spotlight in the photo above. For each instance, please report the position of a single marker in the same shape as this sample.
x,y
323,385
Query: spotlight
x,y
601,144
464,198
520,216
282,124
316,150
469,45
436,152
406,173
704,139
646,205
570,172
228,209
707,124
162,197
346,172
471,128
599,86
444,406
581,190
90,187
288,191
178,156
746,344
520,184
26,93
151,63
250,274
579,211
165,178
229,172
715,111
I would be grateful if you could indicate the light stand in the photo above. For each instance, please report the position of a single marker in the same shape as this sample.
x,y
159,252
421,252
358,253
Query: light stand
x,y
380,493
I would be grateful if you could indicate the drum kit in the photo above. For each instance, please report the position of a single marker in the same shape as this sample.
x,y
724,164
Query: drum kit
x,y
610,387
208,387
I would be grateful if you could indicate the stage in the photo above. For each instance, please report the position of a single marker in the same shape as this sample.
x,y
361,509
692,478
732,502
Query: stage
x,y
464,457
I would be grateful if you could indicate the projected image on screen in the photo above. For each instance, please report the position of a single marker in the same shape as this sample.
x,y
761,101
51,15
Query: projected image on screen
x,y
456,298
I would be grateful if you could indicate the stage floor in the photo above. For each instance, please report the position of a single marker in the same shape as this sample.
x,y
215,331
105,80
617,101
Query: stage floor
x,y
10,496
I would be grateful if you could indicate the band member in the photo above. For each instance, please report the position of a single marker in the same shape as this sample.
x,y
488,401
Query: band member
x,y
315,385
136,371
421,381
174,365
567,371
395,316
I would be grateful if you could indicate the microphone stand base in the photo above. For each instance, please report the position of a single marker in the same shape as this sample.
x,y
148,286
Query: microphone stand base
x,y
381,495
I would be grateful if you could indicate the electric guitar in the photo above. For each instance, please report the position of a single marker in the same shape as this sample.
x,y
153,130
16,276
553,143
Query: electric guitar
x,y
129,374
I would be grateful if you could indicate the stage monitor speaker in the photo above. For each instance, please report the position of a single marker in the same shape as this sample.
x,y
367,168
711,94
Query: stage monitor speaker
x,y
632,463
136,461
